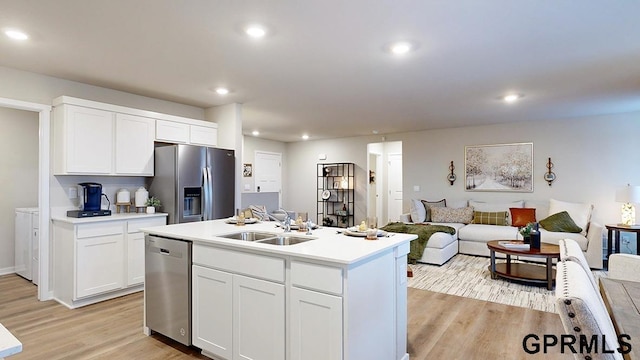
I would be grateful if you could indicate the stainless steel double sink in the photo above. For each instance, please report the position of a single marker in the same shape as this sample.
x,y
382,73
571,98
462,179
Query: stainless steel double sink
x,y
282,239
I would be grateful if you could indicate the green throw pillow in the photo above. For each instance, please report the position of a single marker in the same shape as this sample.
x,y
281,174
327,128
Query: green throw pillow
x,y
560,222
490,218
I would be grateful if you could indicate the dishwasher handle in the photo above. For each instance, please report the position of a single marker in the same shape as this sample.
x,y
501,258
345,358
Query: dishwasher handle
x,y
165,252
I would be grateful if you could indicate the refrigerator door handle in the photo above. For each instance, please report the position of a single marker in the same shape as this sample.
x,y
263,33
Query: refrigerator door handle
x,y
206,188
210,199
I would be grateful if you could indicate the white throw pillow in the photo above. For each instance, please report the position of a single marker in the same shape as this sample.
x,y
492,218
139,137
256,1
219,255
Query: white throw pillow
x,y
494,207
418,212
580,213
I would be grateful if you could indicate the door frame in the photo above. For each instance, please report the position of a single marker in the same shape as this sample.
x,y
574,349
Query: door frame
x,y
44,126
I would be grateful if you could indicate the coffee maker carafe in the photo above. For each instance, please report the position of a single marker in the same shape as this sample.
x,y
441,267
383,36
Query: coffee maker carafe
x,y
91,196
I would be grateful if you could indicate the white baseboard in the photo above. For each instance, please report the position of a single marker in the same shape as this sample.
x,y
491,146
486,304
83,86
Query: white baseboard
x,y
7,271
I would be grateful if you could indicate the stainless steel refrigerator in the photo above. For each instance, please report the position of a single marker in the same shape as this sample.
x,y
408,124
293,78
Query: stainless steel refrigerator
x,y
194,183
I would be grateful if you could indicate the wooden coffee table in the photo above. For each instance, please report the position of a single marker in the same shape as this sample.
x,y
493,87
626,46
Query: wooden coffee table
x,y
520,271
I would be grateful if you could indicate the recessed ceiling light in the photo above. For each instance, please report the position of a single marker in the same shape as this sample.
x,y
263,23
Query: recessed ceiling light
x,y
255,133
222,91
510,98
305,137
375,132
16,34
256,31
400,48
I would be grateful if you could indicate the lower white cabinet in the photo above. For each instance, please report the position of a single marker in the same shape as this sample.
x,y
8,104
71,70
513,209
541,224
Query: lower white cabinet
x,y
237,317
99,265
95,261
212,311
316,325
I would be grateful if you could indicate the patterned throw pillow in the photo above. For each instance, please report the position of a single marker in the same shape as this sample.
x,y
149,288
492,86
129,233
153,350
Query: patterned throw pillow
x,y
522,216
490,218
259,212
451,215
429,204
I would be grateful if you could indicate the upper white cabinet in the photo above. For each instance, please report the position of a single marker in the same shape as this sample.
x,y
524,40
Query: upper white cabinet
x,y
82,140
134,145
172,131
92,138
184,133
203,135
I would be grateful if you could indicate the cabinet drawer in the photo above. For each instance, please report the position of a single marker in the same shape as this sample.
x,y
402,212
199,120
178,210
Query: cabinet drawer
x,y
263,267
136,225
172,131
100,229
317,277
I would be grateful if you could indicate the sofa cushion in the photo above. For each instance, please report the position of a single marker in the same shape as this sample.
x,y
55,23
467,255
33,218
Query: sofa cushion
x,y
560,222
520,217
484,233
550,237
579,212
418,211
490,218
429,204
451,215
496,206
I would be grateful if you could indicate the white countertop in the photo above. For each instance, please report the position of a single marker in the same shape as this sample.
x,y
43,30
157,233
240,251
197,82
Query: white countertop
x,y
329,245
9,345
112,217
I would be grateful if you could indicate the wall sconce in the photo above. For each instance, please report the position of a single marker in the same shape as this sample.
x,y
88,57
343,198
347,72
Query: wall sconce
x,y
549,176
452,176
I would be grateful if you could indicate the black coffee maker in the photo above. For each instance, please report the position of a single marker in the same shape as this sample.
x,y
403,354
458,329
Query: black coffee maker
x,y
91,199
91,195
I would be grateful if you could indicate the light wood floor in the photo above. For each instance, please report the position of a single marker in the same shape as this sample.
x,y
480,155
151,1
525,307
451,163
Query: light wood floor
x,y
440,327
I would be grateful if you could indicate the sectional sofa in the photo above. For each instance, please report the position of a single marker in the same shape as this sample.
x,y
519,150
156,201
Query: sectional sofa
x,y
472,235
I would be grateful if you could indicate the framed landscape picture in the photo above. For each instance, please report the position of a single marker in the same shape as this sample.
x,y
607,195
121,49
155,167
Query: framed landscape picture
x,y
501,167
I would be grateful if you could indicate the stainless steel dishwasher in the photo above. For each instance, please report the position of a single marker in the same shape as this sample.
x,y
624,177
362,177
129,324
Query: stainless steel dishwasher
x,y
167,287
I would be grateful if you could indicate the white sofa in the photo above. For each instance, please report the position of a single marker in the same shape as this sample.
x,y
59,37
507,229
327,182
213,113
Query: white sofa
x,y
472,238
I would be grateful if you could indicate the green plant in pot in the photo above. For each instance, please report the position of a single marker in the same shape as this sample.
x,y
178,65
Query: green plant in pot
x,y
525,231
153,203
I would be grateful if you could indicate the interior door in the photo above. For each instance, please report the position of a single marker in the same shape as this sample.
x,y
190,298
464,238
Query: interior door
x,y
395,186
268,172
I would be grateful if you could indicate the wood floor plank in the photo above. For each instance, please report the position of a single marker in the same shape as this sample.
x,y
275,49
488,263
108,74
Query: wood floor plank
x,y
440,326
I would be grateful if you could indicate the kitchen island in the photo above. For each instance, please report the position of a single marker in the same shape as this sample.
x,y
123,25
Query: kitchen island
x,y
331,297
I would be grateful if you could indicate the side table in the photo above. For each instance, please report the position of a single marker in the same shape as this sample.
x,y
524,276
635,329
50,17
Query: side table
x,y
613,233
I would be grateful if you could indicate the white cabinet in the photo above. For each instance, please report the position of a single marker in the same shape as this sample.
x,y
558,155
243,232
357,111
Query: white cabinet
x,y
172,131
203,135
135,248
99,264
236,316
88,141
258,319
82,140
316,325
95,261
212,311
185,133
134,137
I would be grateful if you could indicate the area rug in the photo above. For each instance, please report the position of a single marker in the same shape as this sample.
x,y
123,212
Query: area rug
x,y
469,276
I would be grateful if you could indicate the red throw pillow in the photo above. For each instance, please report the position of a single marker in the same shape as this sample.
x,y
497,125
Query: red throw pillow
x,y
522,216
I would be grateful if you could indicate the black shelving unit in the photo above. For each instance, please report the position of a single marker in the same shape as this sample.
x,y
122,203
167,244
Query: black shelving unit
x,y
336,194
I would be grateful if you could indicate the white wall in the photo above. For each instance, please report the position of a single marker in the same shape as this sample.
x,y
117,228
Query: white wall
x,y
593,156
18,174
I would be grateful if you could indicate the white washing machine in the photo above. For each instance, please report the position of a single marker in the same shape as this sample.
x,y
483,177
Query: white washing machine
x,y
27,243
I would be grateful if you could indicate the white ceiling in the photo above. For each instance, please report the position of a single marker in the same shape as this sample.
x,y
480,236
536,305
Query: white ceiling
x,y
322,69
